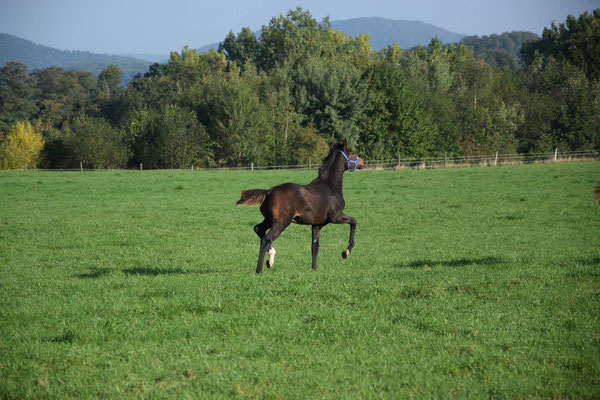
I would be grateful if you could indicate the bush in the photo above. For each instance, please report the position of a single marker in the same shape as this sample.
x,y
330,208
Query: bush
x,y
95,143
306,145
21,148
170,137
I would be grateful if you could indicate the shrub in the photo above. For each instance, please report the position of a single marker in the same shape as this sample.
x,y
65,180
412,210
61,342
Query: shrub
x,y
21,147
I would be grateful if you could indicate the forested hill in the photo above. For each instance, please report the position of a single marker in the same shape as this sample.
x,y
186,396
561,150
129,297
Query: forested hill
x,y
35,56
385,32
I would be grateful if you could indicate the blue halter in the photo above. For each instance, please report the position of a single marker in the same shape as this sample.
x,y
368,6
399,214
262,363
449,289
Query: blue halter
x,y
349,161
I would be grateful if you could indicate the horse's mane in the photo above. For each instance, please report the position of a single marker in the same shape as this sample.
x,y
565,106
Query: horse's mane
x,y
327,164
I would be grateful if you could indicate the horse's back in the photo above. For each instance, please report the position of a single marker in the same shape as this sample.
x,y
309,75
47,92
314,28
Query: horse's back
x,y
286,195
290,201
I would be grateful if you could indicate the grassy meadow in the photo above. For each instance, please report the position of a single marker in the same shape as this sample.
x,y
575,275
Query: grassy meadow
x,y
470,283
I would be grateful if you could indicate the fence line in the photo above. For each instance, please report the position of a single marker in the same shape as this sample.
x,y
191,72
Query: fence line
x,y
483,160
402,163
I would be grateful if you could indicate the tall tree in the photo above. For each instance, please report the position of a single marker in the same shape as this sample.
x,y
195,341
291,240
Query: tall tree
x,y
241,48
296,36
109,80
17,101
230,108
329,96
397,121
62,95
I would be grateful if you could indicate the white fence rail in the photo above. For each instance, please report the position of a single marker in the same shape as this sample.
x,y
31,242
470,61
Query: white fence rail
x,y
415,163
483,160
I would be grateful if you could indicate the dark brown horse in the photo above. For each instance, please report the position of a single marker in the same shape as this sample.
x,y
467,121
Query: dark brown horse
x,y
319,203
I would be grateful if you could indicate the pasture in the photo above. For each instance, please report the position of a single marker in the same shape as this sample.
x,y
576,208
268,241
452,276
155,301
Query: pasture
x,y
470,282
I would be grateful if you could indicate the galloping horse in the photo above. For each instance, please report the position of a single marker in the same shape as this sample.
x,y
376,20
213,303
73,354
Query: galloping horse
x,y
319,203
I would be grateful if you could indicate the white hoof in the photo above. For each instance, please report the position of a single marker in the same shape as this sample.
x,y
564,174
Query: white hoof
x,y
271,259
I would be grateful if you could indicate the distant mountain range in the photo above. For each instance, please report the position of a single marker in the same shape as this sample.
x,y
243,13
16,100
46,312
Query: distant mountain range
x,y
383,32
36,56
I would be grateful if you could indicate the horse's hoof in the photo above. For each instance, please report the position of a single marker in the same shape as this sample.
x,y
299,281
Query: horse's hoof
x,y
345,254
271,259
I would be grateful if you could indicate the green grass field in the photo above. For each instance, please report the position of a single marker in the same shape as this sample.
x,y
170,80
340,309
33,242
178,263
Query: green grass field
x,y
470,282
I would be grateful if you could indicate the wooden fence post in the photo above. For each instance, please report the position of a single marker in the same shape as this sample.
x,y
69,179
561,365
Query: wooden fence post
x,y
555,154
251,166
80,166
496,159
140,166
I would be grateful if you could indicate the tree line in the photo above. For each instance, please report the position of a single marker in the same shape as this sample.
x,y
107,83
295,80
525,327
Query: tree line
x,y
279,98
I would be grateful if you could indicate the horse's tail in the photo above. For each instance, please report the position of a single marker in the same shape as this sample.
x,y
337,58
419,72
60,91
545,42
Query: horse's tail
x,y
252,196
597,192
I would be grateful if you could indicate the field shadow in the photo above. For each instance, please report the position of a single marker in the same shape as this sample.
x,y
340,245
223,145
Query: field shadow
x,y
460,262
96,272
593,261
153,271
65,337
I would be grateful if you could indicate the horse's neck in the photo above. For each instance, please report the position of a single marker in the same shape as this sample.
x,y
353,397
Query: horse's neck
x,y
335,175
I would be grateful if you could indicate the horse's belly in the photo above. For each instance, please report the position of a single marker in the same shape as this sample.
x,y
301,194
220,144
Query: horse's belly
x,y
309,217
302,220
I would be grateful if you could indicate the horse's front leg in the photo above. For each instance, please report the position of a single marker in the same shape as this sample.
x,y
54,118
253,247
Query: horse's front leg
x,y
346,219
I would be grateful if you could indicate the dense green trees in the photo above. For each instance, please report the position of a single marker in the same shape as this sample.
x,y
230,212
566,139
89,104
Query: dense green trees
x,y
95,143
170,137
575,41
16,95
279,98
500,50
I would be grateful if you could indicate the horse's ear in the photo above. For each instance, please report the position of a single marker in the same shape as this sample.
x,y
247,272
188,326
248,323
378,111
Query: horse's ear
x,y
345,145
333,144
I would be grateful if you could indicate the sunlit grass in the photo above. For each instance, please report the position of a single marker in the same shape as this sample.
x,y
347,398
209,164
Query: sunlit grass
x,y
474,282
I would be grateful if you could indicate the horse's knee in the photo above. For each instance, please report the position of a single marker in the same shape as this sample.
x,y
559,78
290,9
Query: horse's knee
x,y
265,243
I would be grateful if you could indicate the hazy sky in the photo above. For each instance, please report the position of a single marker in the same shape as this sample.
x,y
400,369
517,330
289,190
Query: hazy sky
x,y
157,27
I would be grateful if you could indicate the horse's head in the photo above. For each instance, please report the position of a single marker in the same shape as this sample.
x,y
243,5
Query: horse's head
x,y
353,161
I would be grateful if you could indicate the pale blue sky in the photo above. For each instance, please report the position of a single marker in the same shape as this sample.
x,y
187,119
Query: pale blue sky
x,y
157,26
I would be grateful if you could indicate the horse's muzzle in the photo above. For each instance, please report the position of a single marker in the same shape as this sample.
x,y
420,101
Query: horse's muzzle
x,y
360,164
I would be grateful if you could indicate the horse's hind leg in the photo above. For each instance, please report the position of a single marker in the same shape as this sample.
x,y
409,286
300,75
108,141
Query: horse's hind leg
x,y
316,232
261,230
271,259
266,241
